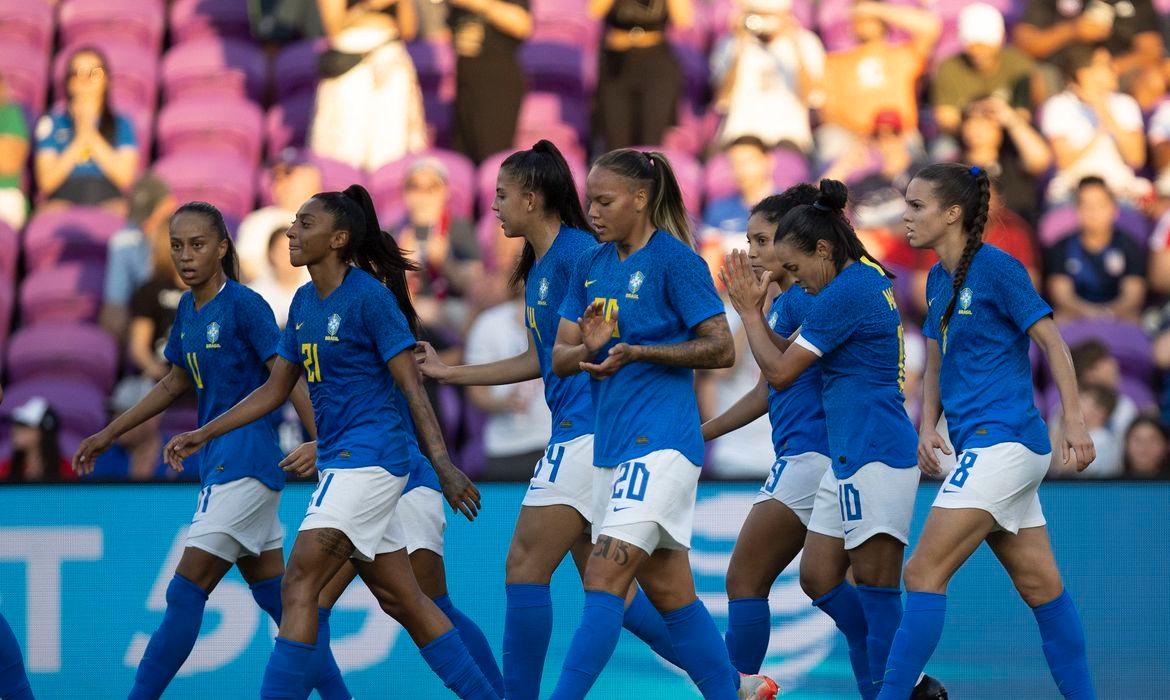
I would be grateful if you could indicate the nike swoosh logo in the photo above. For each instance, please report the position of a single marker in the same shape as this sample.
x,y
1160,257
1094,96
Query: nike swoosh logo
x,y
950,490
536,488
850,530
589,282
622,508
299,325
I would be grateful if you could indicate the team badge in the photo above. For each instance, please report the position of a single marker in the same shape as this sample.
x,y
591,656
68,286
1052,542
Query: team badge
x,y
636,281
772,319
542,290
965,297
212,333
331,327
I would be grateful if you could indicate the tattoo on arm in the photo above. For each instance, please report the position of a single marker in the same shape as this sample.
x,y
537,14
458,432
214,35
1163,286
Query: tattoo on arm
x,y
335,543
712,349
432,437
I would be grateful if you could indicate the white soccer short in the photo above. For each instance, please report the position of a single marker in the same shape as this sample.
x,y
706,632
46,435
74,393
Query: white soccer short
x,y
236,519
794,481
878,499
1003,480
649,501
422,520
564,476
359,502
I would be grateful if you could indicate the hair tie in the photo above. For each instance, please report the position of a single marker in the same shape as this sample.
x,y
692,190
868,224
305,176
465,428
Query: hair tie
x,y
649,158
975,170
820,207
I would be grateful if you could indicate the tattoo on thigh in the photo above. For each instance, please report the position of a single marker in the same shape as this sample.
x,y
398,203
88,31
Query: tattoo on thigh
x,y
602,548
609,548
335,543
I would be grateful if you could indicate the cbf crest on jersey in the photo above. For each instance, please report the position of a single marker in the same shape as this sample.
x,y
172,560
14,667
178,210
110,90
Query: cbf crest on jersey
x,y
636,281
965,298
772,319
542,292
213,335
332,325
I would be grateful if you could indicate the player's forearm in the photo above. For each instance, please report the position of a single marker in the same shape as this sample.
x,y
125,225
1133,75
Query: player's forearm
x,y
304,407
749,407
264,400
427,426
1048,337
159,399
712,349
767,347
567,359
518,368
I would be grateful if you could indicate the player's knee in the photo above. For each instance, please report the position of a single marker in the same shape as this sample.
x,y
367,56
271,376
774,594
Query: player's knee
x,y
1037,587
743,583
921,576
816,582
521,566
297,589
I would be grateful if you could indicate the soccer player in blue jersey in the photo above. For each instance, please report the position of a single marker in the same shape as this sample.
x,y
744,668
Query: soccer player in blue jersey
x,y
862,510
537,200
349,333
640,314
982,312
221,345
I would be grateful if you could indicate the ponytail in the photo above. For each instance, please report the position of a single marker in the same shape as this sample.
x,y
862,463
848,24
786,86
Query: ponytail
x,y
230,260
970,189
825,220
543,169
370,248
653,170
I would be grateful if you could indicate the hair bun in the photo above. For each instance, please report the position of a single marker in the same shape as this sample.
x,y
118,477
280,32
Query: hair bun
x,y
833,195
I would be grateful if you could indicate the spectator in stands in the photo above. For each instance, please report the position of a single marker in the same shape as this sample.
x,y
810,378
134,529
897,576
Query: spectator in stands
x,y
725,219
984,68
516,431
86,153
294,180
1098,270
1096,366
1158,136
1147,455
489,81
640,81
369,109
767,74
1000,140
1093,128
36,452
13,155
1127,28
1159,269
443,245
129,260
877,75
281,280
152,311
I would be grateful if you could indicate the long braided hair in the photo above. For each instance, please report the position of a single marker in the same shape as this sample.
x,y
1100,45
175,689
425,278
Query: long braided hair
x,y
969,188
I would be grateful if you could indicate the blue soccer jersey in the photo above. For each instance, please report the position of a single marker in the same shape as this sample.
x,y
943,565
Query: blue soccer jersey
x,y
343,342
986,378
661,293
224,347
798,419
854,327
568,398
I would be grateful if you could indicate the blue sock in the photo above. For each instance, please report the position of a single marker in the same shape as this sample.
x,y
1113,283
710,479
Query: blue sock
x,y
1064,647
13,680
285,675
172,642
328,680
593,644
749,624
917,636
883,614
644,620
527,631
476,642
448,658
701,652
267,595
843,604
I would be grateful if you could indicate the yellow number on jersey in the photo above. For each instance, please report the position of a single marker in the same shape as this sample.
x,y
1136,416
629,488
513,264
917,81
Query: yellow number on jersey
x,y
611,306
193,368
531,314
312,362
901,359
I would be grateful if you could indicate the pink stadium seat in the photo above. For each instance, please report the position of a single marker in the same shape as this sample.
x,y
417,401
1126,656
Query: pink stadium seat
x,y
210,65
191,19
557,67
74,234
26,71
9,251
287,123
67,293
790,168
1060,221
226,182
138,21
213,124
1126,341
80,406
689,173
82,351
27,22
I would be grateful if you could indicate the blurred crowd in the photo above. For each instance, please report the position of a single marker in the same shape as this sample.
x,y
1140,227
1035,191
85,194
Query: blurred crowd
x,y
1064,102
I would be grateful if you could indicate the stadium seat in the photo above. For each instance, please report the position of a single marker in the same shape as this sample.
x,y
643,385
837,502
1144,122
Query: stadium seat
x,y
80,406
94,21
9,251
27,22
193,19
68,293
228,183
133,72
543,109
73,234
213,124
26,72
287,123
82,351
294,70
434,64
560,68
1127,342
1061,220
210,65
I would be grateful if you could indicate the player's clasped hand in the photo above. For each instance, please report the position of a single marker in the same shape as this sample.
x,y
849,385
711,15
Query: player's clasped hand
x,y
747,291
302,461
928,441
89,450
181,447
619,356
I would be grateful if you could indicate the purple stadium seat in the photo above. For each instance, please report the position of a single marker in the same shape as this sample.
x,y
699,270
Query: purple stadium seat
x,y
385,184
440,115
792,167
26,72
696,73
82,351
1126,341
295,68
335,176
228,183
80,406
133,72
558,67
86,21
79,234
1060,221
67,293
27,22
434,63
541,109
191,19
287,123
7,306
213,124
210,65
1135,223
9,251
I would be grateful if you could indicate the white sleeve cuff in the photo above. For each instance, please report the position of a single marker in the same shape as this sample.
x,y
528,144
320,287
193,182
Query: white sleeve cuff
x,y
804,343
